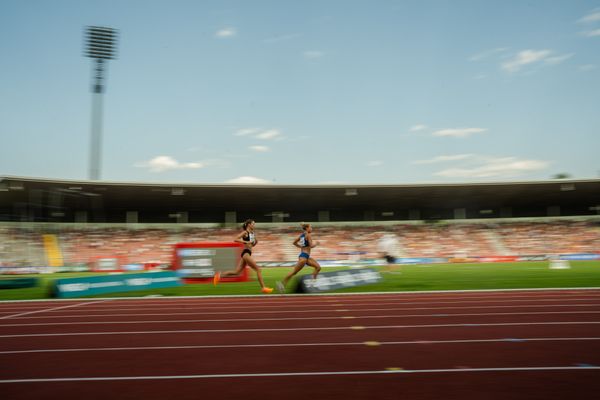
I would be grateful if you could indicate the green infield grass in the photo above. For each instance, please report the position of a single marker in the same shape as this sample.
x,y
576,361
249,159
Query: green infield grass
x,y
406,278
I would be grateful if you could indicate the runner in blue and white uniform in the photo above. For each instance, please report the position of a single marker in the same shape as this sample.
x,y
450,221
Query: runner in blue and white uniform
x,y
305,243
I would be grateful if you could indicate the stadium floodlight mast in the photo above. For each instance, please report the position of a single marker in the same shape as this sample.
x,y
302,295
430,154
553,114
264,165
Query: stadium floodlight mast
x,y
100,46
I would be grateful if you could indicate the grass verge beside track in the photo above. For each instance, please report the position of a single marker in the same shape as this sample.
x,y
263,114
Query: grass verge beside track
x,y
404,279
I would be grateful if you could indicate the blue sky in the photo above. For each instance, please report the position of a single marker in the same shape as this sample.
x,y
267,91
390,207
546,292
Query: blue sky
x,y
305,92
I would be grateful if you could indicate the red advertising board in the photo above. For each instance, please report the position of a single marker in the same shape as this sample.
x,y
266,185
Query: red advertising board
x,y
491,259
198,262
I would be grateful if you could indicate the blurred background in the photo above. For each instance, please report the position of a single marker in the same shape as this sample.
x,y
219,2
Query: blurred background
x,y
467,130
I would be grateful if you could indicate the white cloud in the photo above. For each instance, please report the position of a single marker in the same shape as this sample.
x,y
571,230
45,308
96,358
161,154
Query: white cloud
x,y
529,57
587,67
166,163
248,180
310,54
558,59
494,167
593,16
258,133
260,149
418,127
438,159
525,57
595,32
374,163
226,33
246,131
458,132
269,134
487,53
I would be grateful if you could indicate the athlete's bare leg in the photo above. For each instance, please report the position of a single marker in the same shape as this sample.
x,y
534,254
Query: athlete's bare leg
x,y
238,270
299,265
313,263
252,264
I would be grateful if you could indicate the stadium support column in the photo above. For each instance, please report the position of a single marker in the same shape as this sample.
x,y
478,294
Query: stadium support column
x,y
55,206
36,207
460,213
132,217
553,211
81,216
323,216
414,214
183,217
230,218
97,207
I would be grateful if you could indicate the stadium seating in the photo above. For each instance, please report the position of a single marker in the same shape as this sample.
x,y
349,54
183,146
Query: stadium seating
x,y
83,245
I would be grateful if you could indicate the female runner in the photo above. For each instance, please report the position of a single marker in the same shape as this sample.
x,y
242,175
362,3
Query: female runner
x,y
305,243
248,238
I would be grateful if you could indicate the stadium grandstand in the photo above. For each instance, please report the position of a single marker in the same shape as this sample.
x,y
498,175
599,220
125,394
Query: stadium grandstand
x,y
80,222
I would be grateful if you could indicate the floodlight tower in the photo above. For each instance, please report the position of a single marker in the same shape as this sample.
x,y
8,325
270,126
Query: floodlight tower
x,y
100,46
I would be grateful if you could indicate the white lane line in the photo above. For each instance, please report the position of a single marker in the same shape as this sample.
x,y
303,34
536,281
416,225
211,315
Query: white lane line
x,y
286,311
174,301
337,317
311,300
312,306
470,325
557,290
52,309
236,346
286,374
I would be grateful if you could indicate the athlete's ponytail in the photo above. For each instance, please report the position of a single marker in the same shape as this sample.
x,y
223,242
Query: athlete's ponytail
x,y
304,225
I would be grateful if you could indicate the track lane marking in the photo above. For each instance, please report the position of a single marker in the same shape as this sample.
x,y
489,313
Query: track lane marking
x,y
307,301
199,312
240,307
323,344
333,296
307,373
157,332
167,321
52,309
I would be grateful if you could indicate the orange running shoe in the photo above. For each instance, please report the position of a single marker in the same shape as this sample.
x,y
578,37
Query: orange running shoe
x,y
216,278
266,290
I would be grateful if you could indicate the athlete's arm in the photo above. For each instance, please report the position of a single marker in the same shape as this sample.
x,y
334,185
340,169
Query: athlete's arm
x,y
296,242
239,238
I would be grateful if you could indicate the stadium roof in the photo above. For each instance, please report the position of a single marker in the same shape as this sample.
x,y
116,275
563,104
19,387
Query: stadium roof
x,y
133,195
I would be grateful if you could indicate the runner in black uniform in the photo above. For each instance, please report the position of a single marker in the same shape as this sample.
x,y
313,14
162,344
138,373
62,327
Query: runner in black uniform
x,y
248,239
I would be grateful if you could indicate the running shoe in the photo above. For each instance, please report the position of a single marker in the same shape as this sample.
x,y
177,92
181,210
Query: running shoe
x,y
280,287
216,278
267,290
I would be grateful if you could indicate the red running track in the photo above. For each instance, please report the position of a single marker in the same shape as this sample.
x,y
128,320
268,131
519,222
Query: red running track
x,y
462,345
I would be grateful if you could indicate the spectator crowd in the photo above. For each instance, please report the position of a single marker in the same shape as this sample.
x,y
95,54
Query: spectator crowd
x,y
23,245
